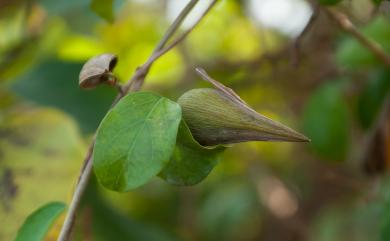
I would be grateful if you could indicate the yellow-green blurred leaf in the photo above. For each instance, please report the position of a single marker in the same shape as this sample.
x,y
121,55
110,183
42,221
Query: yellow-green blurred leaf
x,y
79,48
103,8
41,154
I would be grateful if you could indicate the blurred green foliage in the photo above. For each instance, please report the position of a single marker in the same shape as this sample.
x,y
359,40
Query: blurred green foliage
x,y
104,9
326,121
109,224
52,84
352,54
36,165
336,94
372,97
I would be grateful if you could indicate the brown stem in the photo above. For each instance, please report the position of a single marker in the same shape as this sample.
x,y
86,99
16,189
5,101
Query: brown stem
x,y
137,81
345,24
296,45
183,35
134,84
175,25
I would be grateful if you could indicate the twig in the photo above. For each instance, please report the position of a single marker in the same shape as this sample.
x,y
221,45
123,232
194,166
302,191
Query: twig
x,y
175,25
184,35
296,45
133,84
345,24
78,193
137,81
369,140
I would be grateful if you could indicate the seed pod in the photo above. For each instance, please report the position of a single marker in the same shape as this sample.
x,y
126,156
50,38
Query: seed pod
x,y
219,116
98,70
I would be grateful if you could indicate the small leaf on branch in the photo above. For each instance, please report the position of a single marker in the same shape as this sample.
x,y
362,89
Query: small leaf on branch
x,y
190,162
135,140
98,70
39,222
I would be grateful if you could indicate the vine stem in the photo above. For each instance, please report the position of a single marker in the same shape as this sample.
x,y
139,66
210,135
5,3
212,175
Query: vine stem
x,y
133,84
345,24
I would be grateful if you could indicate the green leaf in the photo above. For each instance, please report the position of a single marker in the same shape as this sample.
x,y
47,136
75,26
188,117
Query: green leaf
x,y
135,140
103,8
329,2
326,122
352,54
372,97
190,162
39,222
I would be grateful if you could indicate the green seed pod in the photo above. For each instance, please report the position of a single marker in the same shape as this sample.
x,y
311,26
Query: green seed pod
x,y
98,70
219,116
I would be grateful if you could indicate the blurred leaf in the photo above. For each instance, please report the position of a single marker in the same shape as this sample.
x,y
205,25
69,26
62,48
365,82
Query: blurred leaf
x,y
79,48
60,7
190,162
353,55
329,2
22,57
11,27
104,9
366,219
135,140
41,152
352,222
38,223
372,97
55,83
325,121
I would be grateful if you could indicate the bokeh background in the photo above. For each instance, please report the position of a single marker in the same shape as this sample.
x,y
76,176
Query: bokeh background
x,y
316,79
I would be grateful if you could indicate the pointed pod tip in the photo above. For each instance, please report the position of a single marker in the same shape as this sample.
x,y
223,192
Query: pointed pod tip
x,y
294,136
303,138
276,131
